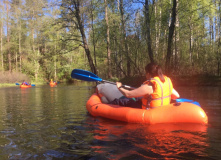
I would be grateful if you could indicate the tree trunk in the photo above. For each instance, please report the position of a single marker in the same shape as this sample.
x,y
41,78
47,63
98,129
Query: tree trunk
x,y
177,38
8,38
190,43
156,28
170,38
1,35
124,38
108,41
81,28
55,67
33,51
16,61
19,41
219,42
147,22
217,26
211,32
92,26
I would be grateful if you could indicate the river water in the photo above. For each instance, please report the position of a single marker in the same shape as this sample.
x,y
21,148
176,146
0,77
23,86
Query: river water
x,y
50,123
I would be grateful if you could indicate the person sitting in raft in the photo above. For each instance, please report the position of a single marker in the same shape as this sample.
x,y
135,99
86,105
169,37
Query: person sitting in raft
x,y
25,83
156,91
52,81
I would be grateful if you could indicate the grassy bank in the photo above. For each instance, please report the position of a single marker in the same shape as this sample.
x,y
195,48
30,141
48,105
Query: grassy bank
x,y
8,79
2,85
6,85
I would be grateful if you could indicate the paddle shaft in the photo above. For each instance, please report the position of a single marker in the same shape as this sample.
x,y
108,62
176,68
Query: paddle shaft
x,y
124,86
91,77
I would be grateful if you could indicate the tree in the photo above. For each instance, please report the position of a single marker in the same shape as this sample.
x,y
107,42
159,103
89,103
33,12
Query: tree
x,y
1,36
147,22
170,37
8,35
108,41
125,50
71,12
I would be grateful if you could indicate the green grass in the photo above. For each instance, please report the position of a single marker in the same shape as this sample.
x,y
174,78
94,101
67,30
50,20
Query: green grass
x,y
7,84
13,84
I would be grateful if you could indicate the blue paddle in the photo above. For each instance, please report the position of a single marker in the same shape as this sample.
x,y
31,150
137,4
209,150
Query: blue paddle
x,y
187,100
88,76
19,84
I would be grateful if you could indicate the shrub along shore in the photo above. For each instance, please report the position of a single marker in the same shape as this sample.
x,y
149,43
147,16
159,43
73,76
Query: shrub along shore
x,y
3,85
197,80
7,85
8,79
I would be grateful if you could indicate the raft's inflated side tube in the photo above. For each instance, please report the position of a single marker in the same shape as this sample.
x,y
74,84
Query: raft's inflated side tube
x,y
183,112
25,86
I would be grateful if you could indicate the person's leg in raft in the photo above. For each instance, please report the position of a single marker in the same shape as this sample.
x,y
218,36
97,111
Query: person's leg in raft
x,y
128,102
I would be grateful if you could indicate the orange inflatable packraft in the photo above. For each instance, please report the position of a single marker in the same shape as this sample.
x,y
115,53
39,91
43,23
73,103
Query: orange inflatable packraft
x,y
52,84
25,86
183,112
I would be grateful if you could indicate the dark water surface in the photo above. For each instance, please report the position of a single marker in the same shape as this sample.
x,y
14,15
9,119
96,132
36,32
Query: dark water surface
x,y
52,123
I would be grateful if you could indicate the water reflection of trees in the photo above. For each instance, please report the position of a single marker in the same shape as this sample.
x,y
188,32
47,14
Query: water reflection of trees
x,y
120,140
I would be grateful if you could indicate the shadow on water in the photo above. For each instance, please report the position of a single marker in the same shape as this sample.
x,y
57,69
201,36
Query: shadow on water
x,y
53,123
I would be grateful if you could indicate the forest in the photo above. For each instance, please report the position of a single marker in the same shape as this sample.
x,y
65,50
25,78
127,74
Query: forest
x,y
47,39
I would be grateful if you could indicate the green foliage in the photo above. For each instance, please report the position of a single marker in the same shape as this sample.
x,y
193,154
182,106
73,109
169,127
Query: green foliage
x,y
13,77
45,42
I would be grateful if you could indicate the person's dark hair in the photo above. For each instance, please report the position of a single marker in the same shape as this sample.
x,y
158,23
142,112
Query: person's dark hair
x,y
155,70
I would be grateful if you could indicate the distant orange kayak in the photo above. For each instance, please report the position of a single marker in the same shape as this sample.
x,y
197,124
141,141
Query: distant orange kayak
x,y
182,112
25,86
52,84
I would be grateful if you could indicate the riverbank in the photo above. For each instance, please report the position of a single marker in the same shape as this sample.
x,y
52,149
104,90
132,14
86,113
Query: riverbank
x,y
2,85
6,85
197,80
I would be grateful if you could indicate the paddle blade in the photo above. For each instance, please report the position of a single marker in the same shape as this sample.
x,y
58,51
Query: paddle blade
x,y
16,83
84,75
32,84
187,100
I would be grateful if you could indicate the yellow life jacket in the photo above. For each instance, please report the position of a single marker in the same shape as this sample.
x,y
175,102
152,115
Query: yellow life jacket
x,y
161,93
